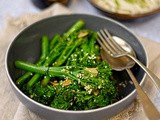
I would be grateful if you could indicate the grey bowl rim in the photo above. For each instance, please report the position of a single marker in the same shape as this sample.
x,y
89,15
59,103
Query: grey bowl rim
x,y
71,111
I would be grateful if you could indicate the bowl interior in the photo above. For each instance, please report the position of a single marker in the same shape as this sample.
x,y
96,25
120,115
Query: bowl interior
x,y
26,46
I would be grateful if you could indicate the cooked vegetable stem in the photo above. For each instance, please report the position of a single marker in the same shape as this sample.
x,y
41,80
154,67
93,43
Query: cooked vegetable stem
x,y
44,53
70,73
77,26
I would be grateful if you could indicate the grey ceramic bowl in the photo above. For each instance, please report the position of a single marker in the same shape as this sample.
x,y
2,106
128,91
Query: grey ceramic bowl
x,y
26,47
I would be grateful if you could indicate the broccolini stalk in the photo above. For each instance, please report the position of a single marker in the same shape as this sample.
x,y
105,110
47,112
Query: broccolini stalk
x,y
88,54
78,79
53,54
44,53
51,71
45,47
96,89
87,49
63,71
31,67
72,72
33,80
23,78
54,41
71,45
77,26
92,43
45,80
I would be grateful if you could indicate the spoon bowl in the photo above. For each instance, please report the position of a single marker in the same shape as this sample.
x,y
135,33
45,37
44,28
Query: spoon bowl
x,y
122,49
120,63
124,62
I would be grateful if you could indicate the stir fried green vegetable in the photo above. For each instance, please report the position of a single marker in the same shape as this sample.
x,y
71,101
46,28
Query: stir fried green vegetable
x,y
70,73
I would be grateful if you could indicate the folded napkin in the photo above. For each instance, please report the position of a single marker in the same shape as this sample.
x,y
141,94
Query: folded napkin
x,y
12,109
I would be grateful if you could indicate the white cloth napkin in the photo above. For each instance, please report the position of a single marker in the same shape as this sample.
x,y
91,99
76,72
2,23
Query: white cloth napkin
x,y
12,109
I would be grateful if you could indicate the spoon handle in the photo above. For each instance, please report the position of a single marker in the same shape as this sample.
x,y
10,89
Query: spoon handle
x,y
153,77
149,108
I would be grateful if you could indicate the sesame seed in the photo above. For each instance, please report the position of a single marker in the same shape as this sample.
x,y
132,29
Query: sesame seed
x,y
71,103
90,91
99,87
67,67
63,70
131,82
79,81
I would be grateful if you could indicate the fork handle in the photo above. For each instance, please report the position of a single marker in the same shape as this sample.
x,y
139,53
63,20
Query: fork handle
x,y
153,77
151,112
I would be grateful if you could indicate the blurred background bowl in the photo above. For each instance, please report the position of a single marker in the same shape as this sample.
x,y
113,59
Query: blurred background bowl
x,y
121,16
26,46
42,4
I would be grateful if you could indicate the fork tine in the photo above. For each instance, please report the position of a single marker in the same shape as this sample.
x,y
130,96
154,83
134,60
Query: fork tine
x,y
113,43
102,45
102,41
109,41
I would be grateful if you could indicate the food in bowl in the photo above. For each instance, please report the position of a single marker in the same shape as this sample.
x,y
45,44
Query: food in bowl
x,y
70,73
129,7
26,47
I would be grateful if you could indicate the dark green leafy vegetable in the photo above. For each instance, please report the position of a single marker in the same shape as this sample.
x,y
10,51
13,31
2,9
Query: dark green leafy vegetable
x,y
73,76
